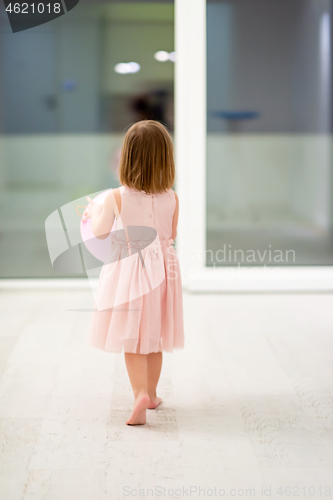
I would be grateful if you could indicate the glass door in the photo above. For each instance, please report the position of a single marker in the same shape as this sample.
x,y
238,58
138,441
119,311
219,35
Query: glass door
x,y
269,133
253,135
68,90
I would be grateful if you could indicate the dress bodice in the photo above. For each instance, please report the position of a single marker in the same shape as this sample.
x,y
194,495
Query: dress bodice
x,y
139,208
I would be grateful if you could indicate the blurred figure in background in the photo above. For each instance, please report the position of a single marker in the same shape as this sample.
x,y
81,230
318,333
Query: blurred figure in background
x,y
151,106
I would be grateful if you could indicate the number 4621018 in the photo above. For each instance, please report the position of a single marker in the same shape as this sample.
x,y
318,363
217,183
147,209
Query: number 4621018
x,y
40,8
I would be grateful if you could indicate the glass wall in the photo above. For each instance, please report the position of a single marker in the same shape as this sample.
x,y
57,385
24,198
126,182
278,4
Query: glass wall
x,y
269,133
68,89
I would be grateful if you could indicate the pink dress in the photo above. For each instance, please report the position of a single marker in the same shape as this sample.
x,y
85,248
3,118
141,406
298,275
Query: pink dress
x,y
139,303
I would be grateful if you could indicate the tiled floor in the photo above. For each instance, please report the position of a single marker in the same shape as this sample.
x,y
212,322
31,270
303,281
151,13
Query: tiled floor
x,y
247,411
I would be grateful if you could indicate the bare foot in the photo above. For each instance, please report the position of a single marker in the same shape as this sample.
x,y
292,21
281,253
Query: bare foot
x,y
154,402
138,415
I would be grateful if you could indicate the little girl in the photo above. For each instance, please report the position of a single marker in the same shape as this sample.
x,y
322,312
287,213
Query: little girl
x,y
146,282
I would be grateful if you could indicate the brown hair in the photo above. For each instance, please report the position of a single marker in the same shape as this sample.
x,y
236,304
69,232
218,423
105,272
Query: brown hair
x,y
146,160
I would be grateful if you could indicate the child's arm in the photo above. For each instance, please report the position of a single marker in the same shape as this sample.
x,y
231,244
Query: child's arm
x,y
102,216
175,218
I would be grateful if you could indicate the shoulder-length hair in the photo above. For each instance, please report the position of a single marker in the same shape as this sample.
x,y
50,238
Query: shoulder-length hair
x,y
147,158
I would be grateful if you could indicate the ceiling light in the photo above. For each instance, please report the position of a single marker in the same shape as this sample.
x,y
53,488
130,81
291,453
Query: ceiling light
x,y
125,68
134,67
161,56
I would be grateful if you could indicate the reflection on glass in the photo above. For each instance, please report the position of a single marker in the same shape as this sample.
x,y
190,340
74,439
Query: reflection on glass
x,y
68,91
269,132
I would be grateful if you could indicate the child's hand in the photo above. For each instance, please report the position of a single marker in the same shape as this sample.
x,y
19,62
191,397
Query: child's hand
x,y
88,211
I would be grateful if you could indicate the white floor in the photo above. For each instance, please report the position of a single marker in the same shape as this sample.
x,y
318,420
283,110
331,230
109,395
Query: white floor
x,y
248,404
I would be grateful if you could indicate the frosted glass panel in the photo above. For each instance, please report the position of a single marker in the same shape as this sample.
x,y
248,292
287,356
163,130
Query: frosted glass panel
x,y
269,133
64,110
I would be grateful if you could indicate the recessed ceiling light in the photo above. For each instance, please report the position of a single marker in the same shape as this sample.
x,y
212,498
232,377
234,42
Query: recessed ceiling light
x,y
134,67
125,68
161,56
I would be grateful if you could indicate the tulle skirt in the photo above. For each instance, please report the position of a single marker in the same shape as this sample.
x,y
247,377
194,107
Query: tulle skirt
x,y
139,308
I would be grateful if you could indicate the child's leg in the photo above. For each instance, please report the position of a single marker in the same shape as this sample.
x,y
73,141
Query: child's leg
x,y
136,365
154,366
